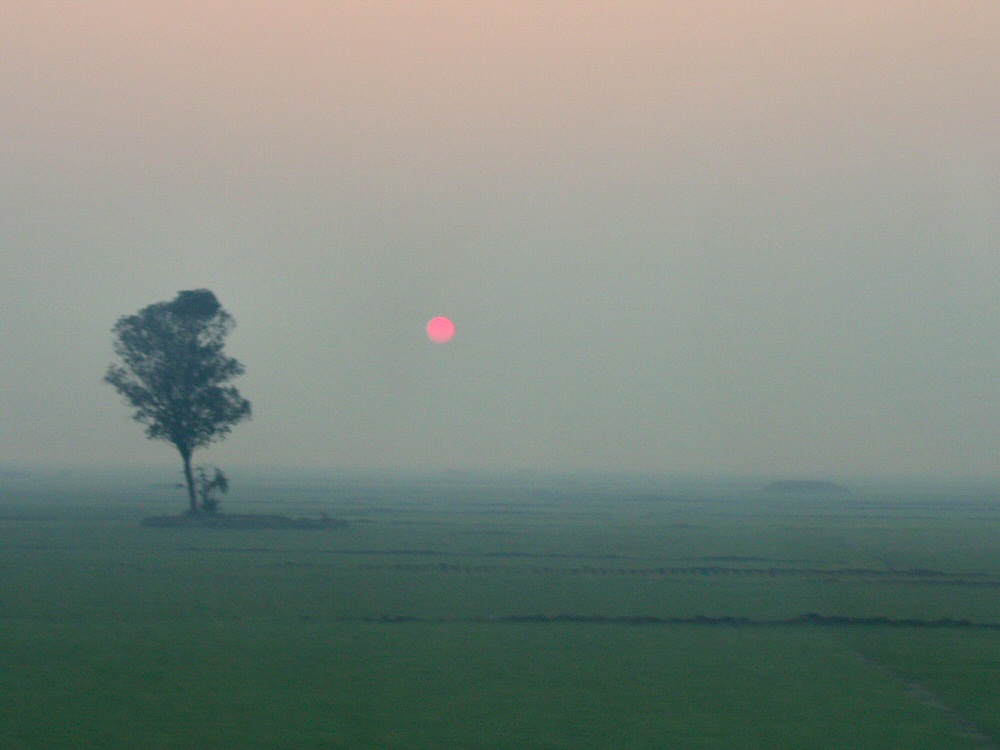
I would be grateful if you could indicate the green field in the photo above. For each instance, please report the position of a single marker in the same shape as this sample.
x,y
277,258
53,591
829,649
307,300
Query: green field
x,y
470,612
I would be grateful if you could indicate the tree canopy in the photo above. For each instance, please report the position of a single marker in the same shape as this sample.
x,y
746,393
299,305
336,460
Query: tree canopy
x,y
173,372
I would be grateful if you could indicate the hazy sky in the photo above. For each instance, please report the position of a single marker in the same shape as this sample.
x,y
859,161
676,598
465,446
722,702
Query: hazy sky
x,y
740,237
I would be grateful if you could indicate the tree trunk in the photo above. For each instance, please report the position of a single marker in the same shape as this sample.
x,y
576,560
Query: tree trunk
x,y
192,497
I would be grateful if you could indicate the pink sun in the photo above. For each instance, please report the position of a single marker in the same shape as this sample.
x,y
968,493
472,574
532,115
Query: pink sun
x,y
440,330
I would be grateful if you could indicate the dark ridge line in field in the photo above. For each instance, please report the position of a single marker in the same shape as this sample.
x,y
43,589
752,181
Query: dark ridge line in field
x,y
737,558
416,553
922,694
479,510
892,576
915,573
810,619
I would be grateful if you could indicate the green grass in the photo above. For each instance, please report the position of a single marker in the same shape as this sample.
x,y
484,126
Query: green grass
x,y
235,685
117,636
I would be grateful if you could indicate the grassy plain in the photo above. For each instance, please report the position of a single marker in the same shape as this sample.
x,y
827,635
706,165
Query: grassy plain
x,y
499,613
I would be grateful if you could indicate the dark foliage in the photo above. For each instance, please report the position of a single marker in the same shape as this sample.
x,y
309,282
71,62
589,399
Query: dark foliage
x,y
175,375
209,488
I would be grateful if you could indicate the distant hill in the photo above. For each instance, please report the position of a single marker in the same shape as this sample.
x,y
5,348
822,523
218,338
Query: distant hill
x,y
806,487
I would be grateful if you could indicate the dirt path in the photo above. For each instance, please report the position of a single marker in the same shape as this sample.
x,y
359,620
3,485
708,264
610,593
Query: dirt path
x,y
922,694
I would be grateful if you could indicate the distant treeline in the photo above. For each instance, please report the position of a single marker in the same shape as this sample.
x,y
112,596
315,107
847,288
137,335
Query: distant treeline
x,y
806,486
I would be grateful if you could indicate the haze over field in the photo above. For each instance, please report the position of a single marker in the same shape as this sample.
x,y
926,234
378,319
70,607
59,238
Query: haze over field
x,y
698,237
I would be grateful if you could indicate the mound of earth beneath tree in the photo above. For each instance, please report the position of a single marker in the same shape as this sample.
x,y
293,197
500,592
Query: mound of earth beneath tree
x,y
806,487
240,521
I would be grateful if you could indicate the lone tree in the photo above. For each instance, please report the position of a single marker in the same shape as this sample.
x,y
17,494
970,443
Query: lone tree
x,y
174,373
